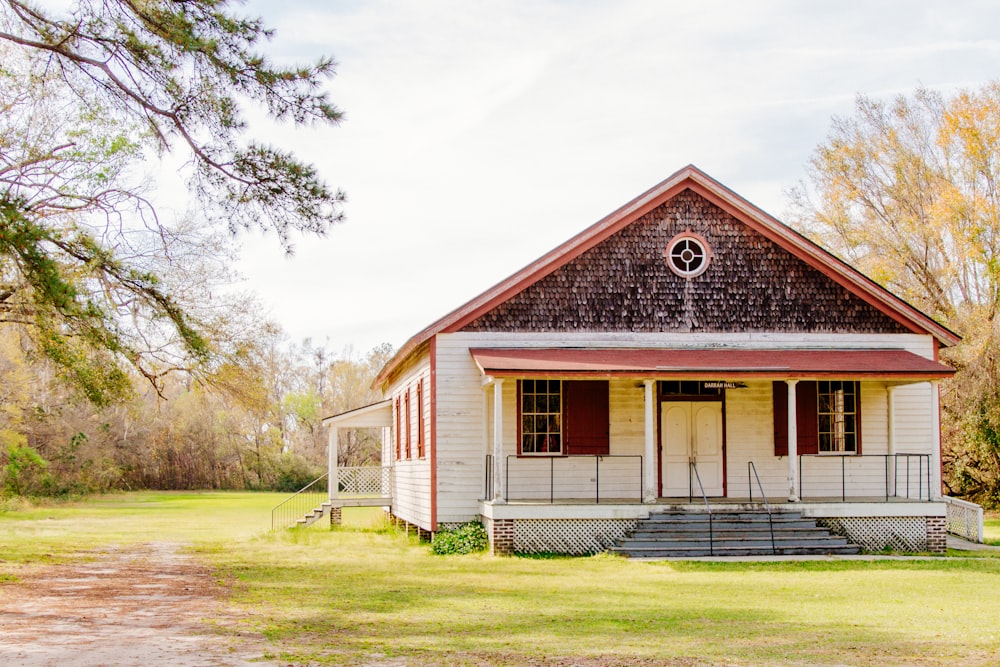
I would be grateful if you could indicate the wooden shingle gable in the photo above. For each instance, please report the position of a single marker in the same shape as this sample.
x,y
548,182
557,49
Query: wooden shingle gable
x,y
815,262
625,284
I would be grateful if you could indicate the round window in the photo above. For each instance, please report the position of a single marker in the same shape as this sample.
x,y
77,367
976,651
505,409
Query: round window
x,y
688,255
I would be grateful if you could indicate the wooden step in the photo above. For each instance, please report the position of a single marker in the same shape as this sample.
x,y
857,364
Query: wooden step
x,y
676,534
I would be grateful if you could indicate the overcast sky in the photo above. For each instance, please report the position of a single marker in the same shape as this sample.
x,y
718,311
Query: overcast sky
x,y
479,135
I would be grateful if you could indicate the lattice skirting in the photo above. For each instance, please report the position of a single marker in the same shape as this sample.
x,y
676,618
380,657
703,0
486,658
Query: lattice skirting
x,y
877,533
569,536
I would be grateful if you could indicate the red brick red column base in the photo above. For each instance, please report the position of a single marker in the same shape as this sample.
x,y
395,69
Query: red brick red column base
x,y
501,532
336,514
937,535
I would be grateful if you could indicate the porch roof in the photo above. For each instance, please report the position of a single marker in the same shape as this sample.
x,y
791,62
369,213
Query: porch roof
x,y
708,364
370,416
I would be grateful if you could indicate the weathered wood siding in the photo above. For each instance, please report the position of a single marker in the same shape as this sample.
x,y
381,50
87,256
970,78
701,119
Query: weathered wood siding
x,y
624,284
412,477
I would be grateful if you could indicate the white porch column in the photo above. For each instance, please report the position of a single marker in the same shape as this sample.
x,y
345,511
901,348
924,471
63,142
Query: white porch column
x,y
499,464
934,492
649,450
890,407
793,444
332,451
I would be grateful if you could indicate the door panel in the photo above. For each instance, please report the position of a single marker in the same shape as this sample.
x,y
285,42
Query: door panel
x,y
707,420
675,428
691,431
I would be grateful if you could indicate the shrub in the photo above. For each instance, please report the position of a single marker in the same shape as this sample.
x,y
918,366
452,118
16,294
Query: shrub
x,y
292,472
466,539
25,471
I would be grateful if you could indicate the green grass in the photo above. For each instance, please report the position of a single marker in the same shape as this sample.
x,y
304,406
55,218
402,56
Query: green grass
x,y
991,529
366,594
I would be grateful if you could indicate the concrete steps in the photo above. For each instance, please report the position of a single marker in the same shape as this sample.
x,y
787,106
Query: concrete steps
x,y
737,533
314,516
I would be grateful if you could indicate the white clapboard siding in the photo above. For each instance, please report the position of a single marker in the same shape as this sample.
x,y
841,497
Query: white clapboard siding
x,y
411,494
465,430
750,437
461,431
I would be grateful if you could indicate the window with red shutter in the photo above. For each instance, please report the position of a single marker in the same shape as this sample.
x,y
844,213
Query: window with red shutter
x,y
569,417
823,416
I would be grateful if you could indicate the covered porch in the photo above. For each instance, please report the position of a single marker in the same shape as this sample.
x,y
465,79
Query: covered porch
x,y
703,428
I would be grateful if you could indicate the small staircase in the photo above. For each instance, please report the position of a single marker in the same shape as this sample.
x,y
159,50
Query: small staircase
x,y
679,534
315,515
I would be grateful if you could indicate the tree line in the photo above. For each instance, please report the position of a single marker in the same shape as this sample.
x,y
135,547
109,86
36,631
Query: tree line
x,y
191,433
908,190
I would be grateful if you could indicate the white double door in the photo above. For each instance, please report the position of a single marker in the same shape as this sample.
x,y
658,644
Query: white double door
x,y
691,432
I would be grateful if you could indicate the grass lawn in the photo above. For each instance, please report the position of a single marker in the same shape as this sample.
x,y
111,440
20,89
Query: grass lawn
x,y
365,594
991,529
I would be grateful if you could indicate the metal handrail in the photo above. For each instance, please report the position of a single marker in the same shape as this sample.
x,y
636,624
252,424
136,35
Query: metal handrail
x,y
891,490
552,461
291,509
770,522
711,532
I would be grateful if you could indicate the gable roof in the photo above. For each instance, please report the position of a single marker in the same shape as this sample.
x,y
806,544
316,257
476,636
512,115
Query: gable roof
x,y
688,178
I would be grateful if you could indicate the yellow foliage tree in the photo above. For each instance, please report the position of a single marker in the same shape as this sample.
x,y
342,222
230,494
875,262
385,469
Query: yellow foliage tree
x,y
909,192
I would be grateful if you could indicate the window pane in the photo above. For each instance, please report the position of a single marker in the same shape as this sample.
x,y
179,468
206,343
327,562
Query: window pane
x,y
555,444
528,386
527,443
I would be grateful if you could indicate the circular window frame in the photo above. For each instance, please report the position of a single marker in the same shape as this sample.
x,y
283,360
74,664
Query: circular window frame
x,y
692,242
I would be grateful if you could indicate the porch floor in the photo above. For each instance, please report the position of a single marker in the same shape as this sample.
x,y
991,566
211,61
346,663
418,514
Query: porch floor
x,y
714,502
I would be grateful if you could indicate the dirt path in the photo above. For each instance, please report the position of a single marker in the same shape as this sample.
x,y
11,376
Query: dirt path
x,y
148,605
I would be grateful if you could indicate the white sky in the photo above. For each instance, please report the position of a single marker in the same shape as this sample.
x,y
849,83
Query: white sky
x,y
479,135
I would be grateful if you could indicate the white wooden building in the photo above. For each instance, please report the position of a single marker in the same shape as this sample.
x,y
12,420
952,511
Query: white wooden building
x,y
674,352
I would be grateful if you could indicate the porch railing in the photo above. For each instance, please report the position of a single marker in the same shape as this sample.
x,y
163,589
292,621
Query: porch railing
x,y
290,510
364,481
901,475
751,468
607,477
356,485
964,519
693,475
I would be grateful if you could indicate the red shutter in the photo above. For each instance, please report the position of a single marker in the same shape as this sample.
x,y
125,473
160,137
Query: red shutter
x,y
807,406
806,418
408,426
780,418
586,417
399,435
857,414
420,418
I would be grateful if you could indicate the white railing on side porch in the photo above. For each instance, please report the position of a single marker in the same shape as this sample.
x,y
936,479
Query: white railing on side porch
x,y
964,519
364,481
355,484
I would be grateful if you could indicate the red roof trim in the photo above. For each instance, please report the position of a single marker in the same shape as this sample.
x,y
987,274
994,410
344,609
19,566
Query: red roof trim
x,y
710,364
690,177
